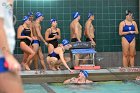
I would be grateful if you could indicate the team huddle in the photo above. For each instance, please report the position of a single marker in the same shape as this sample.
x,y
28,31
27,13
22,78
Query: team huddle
x,y
30,37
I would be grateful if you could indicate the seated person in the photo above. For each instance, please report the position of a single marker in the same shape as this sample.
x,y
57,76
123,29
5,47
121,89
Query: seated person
x,y
81,79
56,57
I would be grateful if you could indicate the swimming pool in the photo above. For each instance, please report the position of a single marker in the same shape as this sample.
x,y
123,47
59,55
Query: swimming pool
x,y
97,87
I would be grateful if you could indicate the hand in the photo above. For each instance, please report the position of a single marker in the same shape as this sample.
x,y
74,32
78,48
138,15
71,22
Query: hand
x,y
71,71
12,63
56,36
30,38
46,43
34,38
79,41
93,43
131,32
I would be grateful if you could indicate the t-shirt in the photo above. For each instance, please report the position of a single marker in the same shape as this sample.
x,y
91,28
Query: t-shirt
x,y
6,13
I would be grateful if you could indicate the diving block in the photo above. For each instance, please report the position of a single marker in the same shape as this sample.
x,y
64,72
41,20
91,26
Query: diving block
x,y
87,67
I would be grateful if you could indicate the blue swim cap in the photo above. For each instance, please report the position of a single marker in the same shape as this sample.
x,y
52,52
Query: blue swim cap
x,y
52,20
25,18
30,13
84,72
65,42
38,14
75,15
90,14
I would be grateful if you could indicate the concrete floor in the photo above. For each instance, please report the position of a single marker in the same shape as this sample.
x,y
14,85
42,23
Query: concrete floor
x,y
109,74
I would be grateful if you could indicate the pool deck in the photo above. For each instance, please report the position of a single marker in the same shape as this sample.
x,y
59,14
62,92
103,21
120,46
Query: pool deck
x,y
109,74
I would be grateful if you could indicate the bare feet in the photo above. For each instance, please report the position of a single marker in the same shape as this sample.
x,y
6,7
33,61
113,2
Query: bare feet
x,y
43,71
58,68
53,68
27,67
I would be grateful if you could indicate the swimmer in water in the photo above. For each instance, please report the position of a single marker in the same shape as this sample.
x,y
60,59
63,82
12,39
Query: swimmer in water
x,y
81,79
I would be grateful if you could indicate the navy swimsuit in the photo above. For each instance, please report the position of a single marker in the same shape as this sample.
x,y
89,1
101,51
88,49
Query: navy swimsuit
x,y
26,32
54,42
2,67
53,54
127,28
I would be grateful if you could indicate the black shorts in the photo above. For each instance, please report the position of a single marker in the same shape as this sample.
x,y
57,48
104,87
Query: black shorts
x,y
88,40
74,40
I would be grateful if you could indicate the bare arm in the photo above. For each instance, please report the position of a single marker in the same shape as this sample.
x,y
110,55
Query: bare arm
x,y
47,35
76,32
121,29
3,40
39,33
59,34
68,81
89,81
136,27
13,65
63,60
31,28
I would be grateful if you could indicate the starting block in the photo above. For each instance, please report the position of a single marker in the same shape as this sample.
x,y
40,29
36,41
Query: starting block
x,y
82,48
87,67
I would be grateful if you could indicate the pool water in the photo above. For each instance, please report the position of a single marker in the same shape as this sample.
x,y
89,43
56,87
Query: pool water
x,y
97,87
34,88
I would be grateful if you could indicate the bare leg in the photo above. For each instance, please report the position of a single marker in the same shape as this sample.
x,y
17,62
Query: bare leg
x,y
132,53
28,50
36,48
50,48
59,63
25,55
125,49
41,56
52,61
77,56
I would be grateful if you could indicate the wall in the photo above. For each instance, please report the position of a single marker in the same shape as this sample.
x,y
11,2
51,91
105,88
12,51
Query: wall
x,y
108,14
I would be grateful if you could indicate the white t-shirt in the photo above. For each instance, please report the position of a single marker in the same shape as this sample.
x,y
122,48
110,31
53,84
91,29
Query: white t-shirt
x,y
6,12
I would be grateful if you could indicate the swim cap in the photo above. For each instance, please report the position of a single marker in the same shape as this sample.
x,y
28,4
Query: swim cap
x,y
84,72
52,20
38,14
127,12
65,42
30,13
25,18
75,15
90,14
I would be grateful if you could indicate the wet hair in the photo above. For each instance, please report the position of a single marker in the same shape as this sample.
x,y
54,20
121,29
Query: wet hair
x,y
127,12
